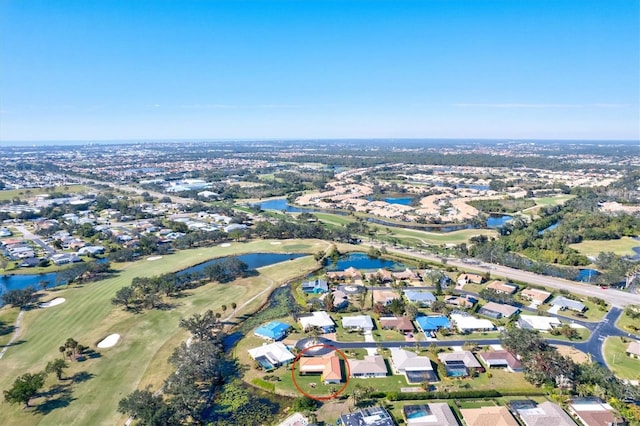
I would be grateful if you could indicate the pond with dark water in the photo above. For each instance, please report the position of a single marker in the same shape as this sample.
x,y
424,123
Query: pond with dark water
x,y
497,221
364,262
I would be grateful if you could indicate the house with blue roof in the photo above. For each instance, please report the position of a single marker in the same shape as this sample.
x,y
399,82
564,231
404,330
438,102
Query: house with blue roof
x,y
315,287
273,331
432,323
421,298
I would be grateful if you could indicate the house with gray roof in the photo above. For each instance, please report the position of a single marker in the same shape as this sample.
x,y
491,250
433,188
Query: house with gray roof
x,y
421,298
564,303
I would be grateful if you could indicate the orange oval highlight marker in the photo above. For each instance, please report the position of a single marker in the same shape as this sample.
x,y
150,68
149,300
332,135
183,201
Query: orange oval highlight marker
x,y
324,397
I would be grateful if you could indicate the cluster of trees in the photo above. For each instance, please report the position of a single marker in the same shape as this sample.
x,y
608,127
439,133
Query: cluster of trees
x,y
543,365
28,385
83,272
146,292
496,296
525,246
202,375
21,297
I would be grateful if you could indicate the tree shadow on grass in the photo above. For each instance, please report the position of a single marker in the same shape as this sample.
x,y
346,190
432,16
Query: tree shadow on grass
x,y
82,376
58,396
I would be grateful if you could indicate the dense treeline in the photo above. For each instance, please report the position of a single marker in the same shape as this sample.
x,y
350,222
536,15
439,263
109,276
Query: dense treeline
x,y
531,246
543,365
204,387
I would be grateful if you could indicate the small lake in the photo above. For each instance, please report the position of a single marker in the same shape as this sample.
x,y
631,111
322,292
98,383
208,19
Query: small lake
x,y
405,201
587,275
253,260
363,261
281,204
549,228
498,221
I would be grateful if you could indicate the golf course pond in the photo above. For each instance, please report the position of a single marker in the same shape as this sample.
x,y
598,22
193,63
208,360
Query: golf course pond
x,y
253,260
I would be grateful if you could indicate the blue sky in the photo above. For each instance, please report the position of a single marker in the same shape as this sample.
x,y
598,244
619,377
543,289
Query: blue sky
x,y
151,69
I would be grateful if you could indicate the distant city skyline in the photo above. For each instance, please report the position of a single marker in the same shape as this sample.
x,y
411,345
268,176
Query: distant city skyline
x,y
285,69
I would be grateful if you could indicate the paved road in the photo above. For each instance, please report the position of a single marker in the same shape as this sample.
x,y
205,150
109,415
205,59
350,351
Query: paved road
x,y
614,297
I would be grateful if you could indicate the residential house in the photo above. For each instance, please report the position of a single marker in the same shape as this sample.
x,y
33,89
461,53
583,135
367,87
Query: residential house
x,y
319,319
315,287
406,275
369,416
502,287
401,324
382,275
350,273
64,258
484,416
274,330
468,324
370,366
564,303
296,419
592,411
501,359
417,369
470,278
357,322
633,350
459,363
420,298
465,301
328,366
340,299
272,355
538,297
498,310
536,322
385,296
547,413
432,414
429,324
90,250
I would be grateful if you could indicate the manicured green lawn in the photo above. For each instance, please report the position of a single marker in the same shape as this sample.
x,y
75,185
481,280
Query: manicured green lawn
x,y
7,320
582,332
625,322
553,201
24,194
622,247
618,361
147,339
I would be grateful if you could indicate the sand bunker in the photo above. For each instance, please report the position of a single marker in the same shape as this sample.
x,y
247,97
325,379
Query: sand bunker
x,y
225,245
275,243
109,341
152,258
54,302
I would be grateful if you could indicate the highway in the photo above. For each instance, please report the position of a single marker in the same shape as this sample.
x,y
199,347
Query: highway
x,y
612,296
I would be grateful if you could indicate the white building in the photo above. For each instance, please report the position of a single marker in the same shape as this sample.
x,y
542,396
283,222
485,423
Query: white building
x,y
358,322
468,323
319,319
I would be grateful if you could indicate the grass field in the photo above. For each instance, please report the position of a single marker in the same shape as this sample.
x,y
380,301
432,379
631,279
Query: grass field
x,y
625,322
147,339
618,361
622,247
23,194
553,201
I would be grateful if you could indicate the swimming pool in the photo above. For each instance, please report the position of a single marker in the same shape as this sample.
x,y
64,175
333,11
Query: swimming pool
x,y
264,362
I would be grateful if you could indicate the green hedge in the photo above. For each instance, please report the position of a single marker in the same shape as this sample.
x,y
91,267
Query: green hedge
x,y
268,386
408,396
